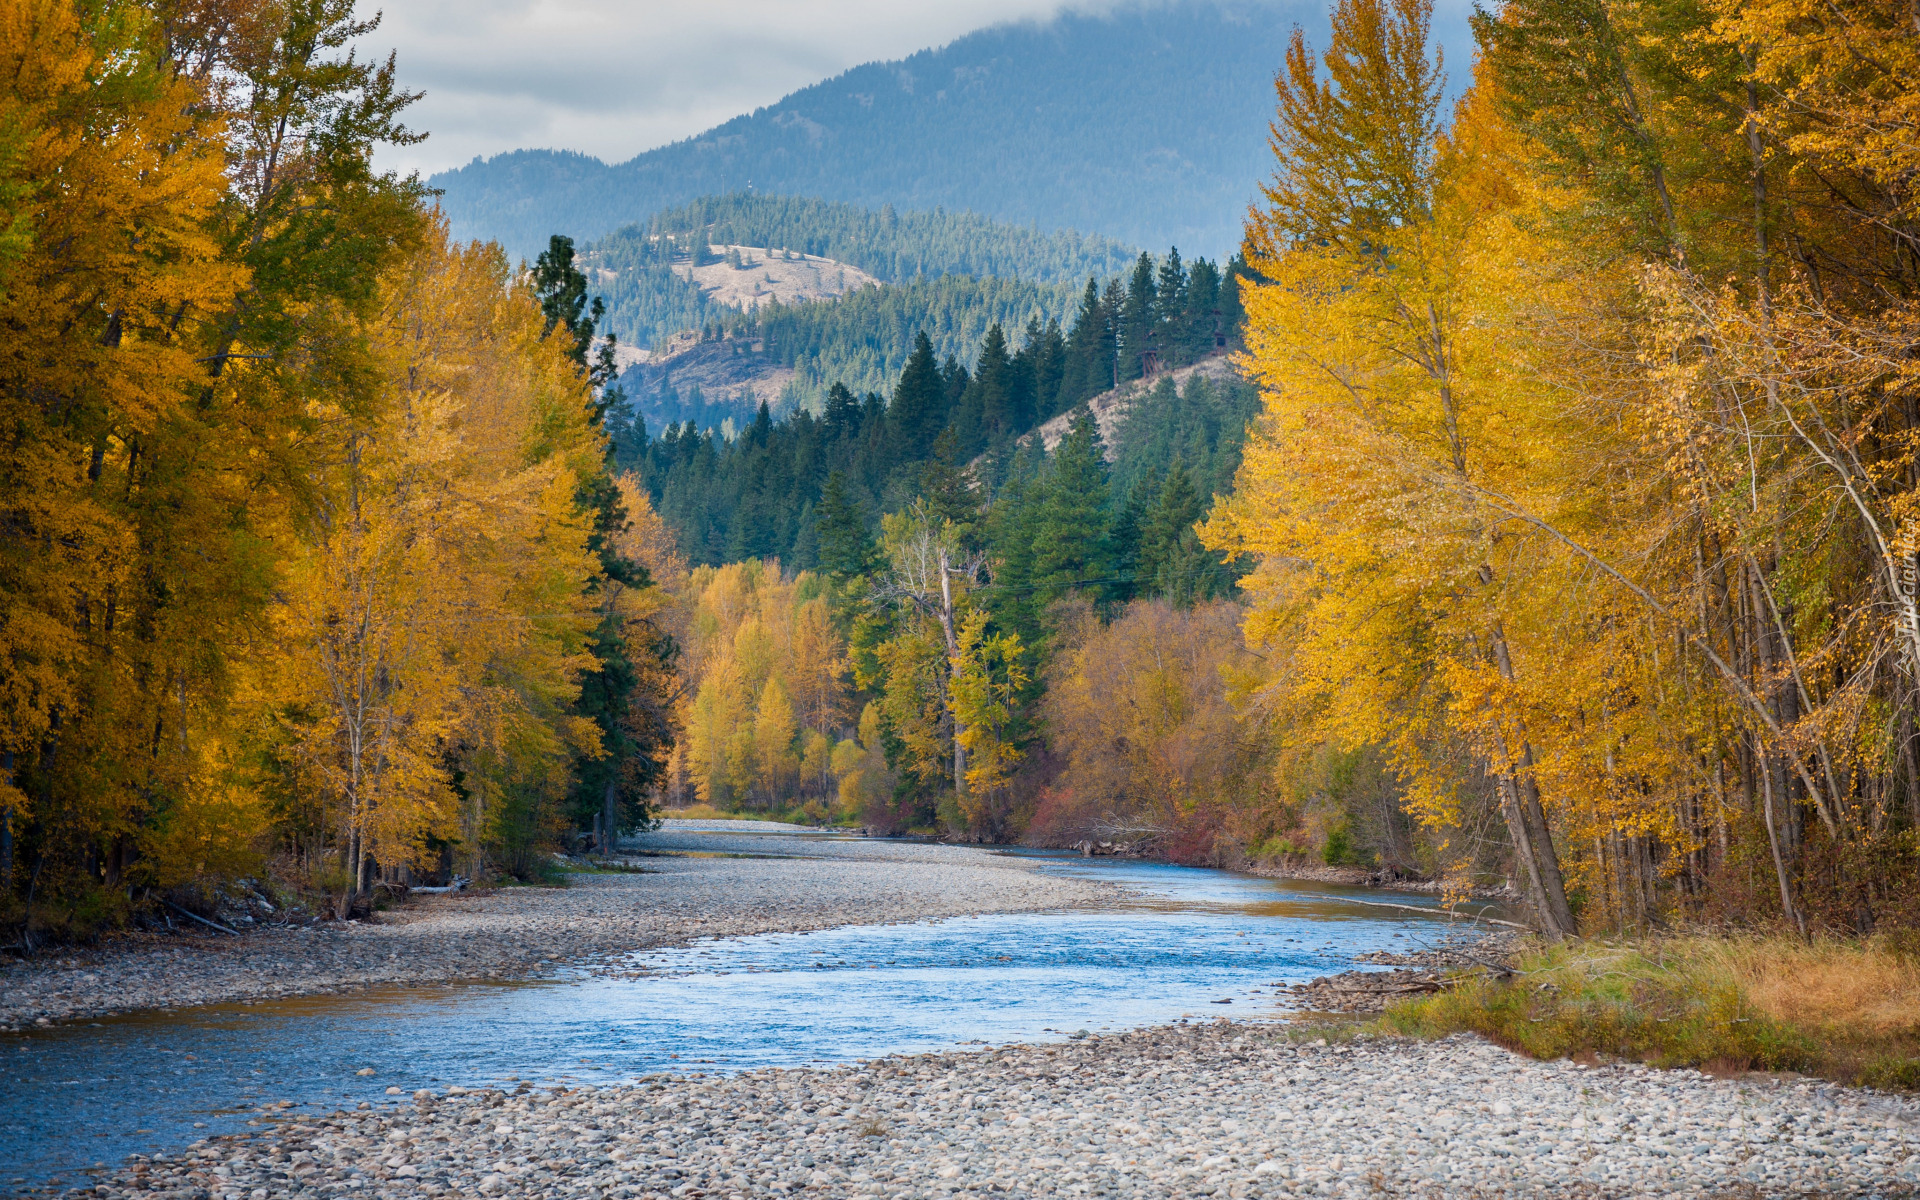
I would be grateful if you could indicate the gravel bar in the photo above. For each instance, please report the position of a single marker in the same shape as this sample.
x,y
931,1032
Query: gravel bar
x,y
699,886
1218,1109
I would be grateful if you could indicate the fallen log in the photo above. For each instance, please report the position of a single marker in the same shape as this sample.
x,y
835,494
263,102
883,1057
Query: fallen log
x,y
195,917
1425,912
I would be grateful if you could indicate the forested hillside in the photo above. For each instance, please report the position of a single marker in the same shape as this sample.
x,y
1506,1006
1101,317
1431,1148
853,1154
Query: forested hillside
x,y
863,340
885,243
1160,315
815,680
897,678
1147,125
641,270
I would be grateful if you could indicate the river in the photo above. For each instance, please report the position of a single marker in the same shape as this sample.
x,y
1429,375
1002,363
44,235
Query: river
x,y
1188,944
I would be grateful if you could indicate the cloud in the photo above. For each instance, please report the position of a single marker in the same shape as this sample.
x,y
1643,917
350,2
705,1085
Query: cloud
x,y
614,79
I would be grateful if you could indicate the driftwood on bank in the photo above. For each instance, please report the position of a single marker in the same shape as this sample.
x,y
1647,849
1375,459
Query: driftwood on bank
x,y
1428,912
196,917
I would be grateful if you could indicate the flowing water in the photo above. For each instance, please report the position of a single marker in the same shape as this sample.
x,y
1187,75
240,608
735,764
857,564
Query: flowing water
x,y
81,1097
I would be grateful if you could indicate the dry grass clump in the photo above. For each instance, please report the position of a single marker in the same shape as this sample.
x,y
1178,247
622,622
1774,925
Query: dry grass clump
x,y
1846,1010
1871,987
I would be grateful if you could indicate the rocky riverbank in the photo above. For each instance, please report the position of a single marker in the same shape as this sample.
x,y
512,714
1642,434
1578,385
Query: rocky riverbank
x,y
683,886
1219,1109
1420,972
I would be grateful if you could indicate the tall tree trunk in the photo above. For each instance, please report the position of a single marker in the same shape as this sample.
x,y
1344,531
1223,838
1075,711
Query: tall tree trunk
x,y
1553,884
610,811
1773,843
953,670
1528,822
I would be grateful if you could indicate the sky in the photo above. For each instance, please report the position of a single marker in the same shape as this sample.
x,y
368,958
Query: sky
x,y
614,78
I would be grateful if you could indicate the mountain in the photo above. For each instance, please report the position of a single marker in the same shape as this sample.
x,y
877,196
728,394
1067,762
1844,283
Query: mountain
x,y
691,266
889,245
998,351
1147,126
788,355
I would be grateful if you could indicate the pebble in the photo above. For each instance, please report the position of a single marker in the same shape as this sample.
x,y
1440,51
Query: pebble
x,y
1221,1109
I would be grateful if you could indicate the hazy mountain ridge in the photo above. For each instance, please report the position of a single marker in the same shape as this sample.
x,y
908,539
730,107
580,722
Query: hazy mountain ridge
x,y
1148,126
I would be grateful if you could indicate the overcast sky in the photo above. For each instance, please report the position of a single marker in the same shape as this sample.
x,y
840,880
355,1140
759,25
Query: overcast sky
x,y
615,78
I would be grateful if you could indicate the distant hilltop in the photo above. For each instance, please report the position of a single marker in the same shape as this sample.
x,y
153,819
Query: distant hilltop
x,y
1148,126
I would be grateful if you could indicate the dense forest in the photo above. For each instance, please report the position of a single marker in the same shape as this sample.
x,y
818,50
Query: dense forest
x,y
1585,486
815,621
863,340
647,300
754,496
898,682
1146,124
313,548
889,245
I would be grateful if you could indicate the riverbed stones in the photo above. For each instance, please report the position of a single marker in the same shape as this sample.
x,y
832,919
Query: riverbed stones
x,y
794,883
1222,1109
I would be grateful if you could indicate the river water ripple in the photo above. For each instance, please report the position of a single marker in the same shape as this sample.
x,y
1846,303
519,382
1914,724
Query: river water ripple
x,y
80,1097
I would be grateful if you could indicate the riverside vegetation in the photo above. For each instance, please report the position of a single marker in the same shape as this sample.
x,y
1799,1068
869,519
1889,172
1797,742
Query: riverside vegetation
x,y
312,547
1573,545
1570,543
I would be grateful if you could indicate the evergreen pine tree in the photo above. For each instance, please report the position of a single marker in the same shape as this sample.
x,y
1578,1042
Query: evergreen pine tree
x,y
1170,309
562,291
609,790
842,412
1011,536
1081,372
993,383
919,407
1072,527
805,555
1112,302
1203,308
1124,541
1046,353
947,486
845,545
1137,319
1175,510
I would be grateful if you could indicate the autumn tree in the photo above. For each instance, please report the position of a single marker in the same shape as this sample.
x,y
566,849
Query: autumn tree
x,y
1372,411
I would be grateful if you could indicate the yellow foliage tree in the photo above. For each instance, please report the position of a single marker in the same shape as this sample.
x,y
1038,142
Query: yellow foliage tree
x,y
436,620
765,675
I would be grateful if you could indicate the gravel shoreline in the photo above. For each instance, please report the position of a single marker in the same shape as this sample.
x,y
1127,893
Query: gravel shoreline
x,y
1218,1109
688,885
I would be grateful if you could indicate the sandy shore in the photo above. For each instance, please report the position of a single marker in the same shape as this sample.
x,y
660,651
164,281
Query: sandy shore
x,y
1221,1109
692,886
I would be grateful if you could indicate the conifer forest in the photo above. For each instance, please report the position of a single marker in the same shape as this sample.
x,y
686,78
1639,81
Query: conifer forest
x,y
1530,506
